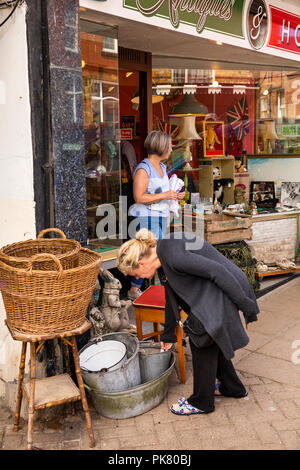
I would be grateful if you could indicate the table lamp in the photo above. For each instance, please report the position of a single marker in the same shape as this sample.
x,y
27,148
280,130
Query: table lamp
x,y
270,134
187,109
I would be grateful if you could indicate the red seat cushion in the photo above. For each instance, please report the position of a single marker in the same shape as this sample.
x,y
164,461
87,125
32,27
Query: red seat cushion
x,y
154,296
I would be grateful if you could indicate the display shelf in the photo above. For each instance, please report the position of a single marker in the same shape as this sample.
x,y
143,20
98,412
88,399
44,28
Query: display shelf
x,y
206,179
278,272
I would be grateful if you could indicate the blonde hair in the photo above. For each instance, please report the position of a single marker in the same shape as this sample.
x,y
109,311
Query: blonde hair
x,y
132,251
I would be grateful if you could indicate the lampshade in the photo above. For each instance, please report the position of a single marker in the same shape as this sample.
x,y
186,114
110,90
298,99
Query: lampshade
x,y
188,106
155,97
270,131
188,129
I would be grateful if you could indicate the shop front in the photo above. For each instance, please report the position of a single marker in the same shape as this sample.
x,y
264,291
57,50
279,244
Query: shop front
x,y
103,74
223,80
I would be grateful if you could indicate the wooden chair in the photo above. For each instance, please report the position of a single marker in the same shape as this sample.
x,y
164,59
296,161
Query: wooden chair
x,y
150,307
50,391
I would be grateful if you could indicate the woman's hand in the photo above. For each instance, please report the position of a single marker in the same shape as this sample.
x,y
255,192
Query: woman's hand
x,y
181,195
166,346
170,195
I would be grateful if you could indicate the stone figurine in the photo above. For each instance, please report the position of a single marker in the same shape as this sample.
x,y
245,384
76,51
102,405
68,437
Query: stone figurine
x,y
112,315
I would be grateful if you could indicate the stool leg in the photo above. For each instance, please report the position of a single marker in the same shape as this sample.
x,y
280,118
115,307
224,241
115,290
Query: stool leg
x,y
20,382
181,360
68,369
31,398
82,392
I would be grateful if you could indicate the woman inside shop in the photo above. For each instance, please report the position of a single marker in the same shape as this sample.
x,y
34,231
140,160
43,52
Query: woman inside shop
x,y
151,190
211,290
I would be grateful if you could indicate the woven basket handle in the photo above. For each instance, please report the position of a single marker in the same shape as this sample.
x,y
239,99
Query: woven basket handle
x,y
45,256
46,230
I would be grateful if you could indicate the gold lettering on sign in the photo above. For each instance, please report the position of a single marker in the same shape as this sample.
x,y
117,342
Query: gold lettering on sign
x,y
204,8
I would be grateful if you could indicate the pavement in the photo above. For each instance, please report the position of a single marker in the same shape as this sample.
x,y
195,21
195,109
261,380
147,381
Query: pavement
x,y
267,419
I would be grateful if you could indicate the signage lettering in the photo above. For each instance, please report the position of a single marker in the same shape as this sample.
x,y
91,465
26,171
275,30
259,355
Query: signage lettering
x,y
296,36
203,8
285,31
257,22
193,12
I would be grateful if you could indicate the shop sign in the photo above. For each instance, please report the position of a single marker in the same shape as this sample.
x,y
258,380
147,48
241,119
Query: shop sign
x,y
222,17
285,31
257,23
126,134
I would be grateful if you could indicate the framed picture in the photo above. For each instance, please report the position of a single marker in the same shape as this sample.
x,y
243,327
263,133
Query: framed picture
x,y
214,140
263,194
290,194
129,122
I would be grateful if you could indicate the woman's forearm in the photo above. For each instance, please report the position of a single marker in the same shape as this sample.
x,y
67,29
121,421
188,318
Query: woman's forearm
x,y
149,198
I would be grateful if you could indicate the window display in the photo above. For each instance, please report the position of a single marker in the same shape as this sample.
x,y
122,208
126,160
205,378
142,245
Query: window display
x,y
247,118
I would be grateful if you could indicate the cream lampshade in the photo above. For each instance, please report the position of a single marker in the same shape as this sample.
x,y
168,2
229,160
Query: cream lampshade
x,y
188,129
155,97
186,135
270,131
270,134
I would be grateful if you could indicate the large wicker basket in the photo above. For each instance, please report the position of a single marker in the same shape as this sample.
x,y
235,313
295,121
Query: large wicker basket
x,y
18,254
48,301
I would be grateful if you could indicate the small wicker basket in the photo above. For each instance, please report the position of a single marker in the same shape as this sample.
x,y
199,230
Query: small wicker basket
x,y
18,254
38,301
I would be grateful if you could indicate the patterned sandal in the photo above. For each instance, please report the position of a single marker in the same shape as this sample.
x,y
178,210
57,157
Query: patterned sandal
x,y
186,410
182,401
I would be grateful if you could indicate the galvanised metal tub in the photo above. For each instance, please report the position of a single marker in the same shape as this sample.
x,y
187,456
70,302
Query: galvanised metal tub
x,y
135,401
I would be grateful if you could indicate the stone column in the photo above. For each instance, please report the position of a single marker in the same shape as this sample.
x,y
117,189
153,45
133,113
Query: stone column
x,y
66,118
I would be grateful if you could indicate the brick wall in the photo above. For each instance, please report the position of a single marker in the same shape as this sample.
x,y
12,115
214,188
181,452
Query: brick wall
x,y
273,239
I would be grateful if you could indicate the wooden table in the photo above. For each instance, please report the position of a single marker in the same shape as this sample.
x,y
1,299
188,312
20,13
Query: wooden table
x,y
150,307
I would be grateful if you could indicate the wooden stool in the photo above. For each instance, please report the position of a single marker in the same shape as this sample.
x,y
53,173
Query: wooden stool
x,y
150,306
50,391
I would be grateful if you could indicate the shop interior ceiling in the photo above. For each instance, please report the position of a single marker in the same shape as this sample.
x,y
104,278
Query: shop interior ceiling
x,y
171,49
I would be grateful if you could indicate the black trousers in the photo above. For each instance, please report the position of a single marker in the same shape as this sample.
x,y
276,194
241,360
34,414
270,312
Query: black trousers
x,y
210,363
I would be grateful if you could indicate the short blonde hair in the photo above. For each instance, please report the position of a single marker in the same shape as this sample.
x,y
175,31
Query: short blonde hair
x,y
132,251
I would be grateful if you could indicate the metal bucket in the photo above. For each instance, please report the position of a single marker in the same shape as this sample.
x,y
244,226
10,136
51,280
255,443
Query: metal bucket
x,y
123,378
133,402
153,362
103,357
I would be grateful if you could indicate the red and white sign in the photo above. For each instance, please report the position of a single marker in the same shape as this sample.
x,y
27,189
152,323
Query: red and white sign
x,y
285,31
126,134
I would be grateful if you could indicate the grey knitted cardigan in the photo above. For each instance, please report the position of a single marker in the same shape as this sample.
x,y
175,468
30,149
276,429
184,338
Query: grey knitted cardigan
x,y
212,286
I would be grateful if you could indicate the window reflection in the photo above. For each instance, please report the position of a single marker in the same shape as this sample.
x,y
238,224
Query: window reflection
x,y
101,119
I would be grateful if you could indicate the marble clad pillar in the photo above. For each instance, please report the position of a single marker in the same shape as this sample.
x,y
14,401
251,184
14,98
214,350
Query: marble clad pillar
x,y
66,118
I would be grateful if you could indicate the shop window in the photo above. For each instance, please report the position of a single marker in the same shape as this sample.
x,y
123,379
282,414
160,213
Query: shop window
x,y
110,45
191,75
99,47
260,110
